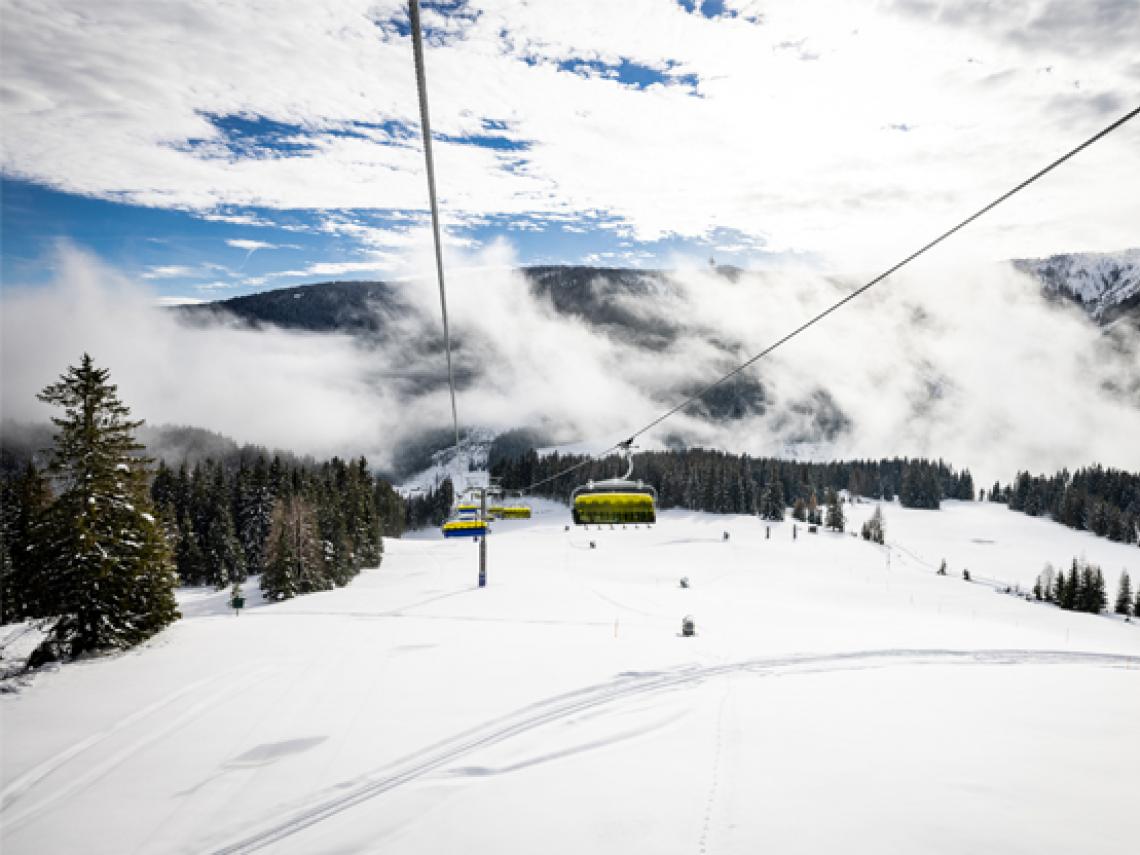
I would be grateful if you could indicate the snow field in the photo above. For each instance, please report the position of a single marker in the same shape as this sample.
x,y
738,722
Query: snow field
x,y
829,701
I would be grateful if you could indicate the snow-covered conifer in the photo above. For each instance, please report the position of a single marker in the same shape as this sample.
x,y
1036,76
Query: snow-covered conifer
x,y
835,518
1124,595
106,570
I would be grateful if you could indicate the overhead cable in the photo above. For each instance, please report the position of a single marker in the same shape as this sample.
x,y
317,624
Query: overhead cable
x,y
626,443
425,125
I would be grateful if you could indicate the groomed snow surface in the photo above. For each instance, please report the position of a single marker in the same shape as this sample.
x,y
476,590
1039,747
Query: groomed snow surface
x,y
830,702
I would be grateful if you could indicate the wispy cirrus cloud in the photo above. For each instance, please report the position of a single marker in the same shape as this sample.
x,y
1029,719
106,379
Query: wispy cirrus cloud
x,y
250,245
168,271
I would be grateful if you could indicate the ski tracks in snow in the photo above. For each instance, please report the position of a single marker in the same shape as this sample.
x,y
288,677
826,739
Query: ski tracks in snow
x,y
31,780
718,752
316,808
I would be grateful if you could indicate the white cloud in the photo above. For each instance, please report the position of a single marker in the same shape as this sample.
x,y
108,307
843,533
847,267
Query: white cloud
x,y
962,361
311,393
242,220
798,153
250,245
168,271
339,268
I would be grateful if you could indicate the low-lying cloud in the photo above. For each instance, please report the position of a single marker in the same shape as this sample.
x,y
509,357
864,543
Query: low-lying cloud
x,y
956,359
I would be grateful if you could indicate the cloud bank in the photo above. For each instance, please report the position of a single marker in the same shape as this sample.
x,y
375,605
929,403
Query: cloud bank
x,y
818,128
956,359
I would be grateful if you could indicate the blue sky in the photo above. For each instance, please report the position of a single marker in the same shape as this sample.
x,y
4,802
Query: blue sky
x,y
232,150
185,253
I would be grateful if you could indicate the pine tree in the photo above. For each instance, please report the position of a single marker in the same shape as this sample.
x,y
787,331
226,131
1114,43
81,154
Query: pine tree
x,y
364,517
1087,599
966,486
835,518
253,512
1124,595
1071,590
1071,594
391,508
225,560
106,569
336,550
1059,589
1045,582
1098,519
772,500
873,529
188,558
1097,596
21,504
814,516
295,564
799,510
164,491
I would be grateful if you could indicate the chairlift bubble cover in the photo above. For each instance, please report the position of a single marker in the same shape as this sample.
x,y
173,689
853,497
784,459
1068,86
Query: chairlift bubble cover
x,y
615,508
465,528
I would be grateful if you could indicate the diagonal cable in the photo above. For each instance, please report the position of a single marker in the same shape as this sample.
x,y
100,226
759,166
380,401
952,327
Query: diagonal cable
x,y
857,292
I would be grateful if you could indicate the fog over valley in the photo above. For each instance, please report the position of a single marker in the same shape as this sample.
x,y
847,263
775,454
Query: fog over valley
x,y
918,367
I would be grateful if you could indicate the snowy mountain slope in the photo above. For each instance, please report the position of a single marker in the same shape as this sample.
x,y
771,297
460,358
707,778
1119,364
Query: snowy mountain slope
x,y
465,467
572,353
1106,285
830,702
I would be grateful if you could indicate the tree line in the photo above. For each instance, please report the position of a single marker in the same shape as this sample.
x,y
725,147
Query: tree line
x,y
94,542
429,508
302,527
1082,589
720,482
1103,501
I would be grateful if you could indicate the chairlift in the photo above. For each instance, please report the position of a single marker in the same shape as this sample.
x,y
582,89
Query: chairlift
x,y
513,509
467,511
465,528
617,501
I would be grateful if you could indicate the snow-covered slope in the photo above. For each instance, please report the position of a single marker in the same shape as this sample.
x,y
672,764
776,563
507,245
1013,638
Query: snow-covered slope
x,y
832,701
1105,284
466,467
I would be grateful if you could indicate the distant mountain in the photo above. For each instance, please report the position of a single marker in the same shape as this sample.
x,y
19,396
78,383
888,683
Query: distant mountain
x,y
23,442
591,294
636,310
604,298
351,307
1106,285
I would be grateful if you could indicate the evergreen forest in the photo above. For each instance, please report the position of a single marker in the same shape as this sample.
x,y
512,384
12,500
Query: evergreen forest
x,y
1103,501
719,482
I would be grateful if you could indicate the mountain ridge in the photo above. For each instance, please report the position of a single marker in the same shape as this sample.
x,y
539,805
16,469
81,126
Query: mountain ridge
x,y
1105,284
